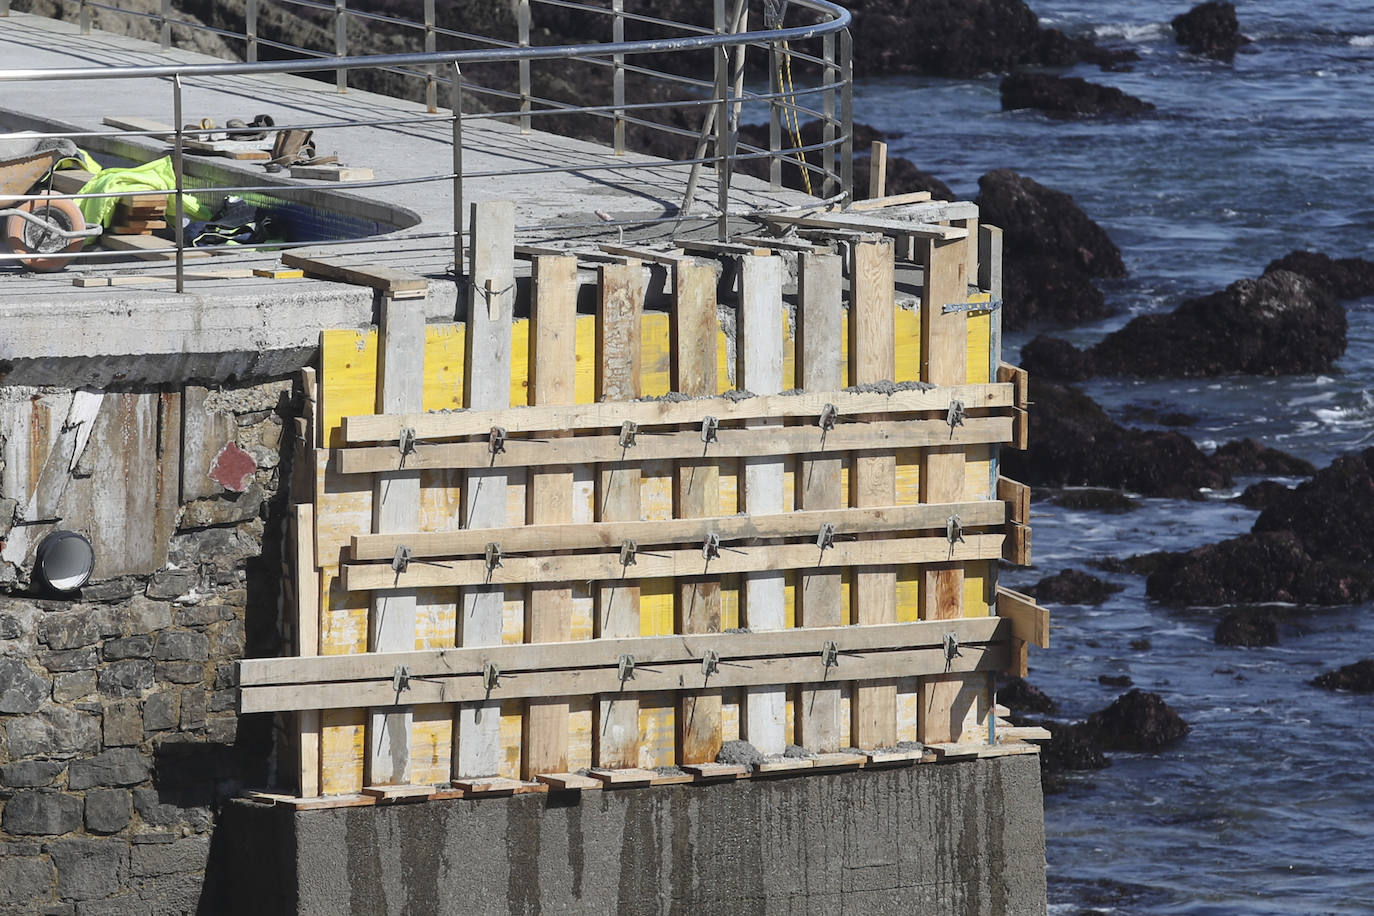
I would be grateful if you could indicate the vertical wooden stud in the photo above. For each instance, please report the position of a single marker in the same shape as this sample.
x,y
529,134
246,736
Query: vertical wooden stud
x,y
697,495
615,743
307,587
549,496
877,170
820,603
759,349
491,297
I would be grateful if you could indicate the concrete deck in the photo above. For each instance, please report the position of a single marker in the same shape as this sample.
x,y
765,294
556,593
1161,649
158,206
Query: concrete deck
x,y
247,328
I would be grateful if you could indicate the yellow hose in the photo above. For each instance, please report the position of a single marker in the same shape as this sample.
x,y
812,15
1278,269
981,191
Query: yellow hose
x,y
793,122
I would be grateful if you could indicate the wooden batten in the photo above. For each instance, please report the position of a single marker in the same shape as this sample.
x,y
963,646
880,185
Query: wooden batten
x,y
1017,497
1016,549
306,580
877,171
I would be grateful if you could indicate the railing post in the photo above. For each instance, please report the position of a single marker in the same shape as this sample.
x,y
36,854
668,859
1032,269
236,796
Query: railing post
x,y
250,28
721,130
828,74
618,75
85,17
341,42
4,8
430,47
456,103
774,115
522,24
847,113
165,26
178,182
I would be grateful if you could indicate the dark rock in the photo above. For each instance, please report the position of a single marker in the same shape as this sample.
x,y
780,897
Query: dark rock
x,y
126,678
31,773
226,639
1071,747
160,711
26,880
1141,644
121,766
1247,628
1053,251
55,731
120,905
1068,96
9,627
108,810
168,584
142,616
69,630
69,659
1019,695
129,647
201,615
1263,494
222,729
1115,680
89,869
1074,443
1210,29
123,723
188,855
1137,721
1247,458
111,590
1057,359
157,813
1141,413
73,686
1094,498
21,690
1141,564
1345,278
1357,677
228,508
181,672
226,676
193,703
903,177
181,645
1333,513
41,812
739,753
1072,586
222,700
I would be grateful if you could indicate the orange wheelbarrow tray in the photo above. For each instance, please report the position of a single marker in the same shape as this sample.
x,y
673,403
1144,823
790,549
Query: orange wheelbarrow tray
x,y
46,230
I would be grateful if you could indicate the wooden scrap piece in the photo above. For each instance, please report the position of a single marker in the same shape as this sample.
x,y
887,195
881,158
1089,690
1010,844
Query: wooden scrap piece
x,y
863,222
830,763
396,283
306,579
623,777
1017,496
492,786
1029,621
774,765
399,793
717,771
331,173
893,758
568,782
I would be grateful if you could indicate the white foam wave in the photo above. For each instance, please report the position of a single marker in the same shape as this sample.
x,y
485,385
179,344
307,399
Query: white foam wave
x,y
1362,41
1133,31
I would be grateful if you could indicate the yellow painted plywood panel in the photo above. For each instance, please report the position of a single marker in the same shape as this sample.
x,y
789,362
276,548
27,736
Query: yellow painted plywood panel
x,y
436,618
657,735
513,615
979,342
512,729
656,598
908,592
444,367
978,588
341,751
348,377
907,327
580,724
343,622
431,744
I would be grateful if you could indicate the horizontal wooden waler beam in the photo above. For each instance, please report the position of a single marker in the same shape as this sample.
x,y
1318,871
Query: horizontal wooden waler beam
x,y
802,523
903,398
671,563
792,656
680,445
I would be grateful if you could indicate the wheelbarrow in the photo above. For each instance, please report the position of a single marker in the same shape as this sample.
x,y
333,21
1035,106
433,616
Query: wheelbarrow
x,y
49,228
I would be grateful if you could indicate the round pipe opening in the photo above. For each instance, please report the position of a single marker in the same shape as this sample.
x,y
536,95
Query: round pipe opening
x,y
64,561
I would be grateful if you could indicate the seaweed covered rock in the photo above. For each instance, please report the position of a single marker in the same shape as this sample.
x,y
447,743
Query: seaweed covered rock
x,y
1068,97
1097,499
1246,457
1074,443
1262,494
1071,747
1210,29
1345,278
903,177
1247,627
1055,358
1357,678
1073,586
1332,514
1137,721
1053,251
1019,695
1254,568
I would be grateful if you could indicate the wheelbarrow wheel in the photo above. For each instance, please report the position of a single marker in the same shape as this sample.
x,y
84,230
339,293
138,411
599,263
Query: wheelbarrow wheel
x,y
24,236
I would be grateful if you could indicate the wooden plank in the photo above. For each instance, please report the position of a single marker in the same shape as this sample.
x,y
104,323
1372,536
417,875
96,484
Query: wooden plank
x,y
887,225
891,200
799,523
807,405
769,244
1022,733
70,181
643,254
386,279
697,486
783,765
872,358
820,598
623,777
759,349
155,129
990,260
331,173
1020,429
279,273
721,249
715,771
493,786
395,507
331,801
893,758
944,341
149,247
616,740
568,782
1017,496
830,763
137,226
549,495
877,171
1020,378
490,301
1016,549
390,793
731,443
518,659
1030,621
306,579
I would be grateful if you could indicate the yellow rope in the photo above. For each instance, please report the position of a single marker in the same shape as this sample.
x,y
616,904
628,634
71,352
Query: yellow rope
x,y
793,122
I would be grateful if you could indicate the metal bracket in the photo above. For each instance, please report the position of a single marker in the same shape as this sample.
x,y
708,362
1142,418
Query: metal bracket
x,y
826,538
710,662
626,668
400,561
830,654
709,427
828,417
628,430
710,548
628,549
496,440
406,442
491,676
954,530
400,679
493,557
989,306
955,416
951,649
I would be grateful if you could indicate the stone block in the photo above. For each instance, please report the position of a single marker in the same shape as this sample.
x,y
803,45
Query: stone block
x,y
109,590
181,672
181,645
157,813
68,629
160,711
21,848
202,615
59,909
126,678
121,766
140,646
143,615
123,723
188,855
162,837
53,732
89,869
25,880
226,676
30,773
226,509
226,639
193,709
123,905
73,686
168,584
41,812
222,730
10,627
69,659
108,810
223,700
21,689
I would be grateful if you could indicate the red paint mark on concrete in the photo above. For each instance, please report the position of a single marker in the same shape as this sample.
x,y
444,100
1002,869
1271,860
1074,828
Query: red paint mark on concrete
x,y
233,468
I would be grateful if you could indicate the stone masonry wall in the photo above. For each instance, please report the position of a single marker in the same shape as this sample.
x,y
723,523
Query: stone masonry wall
x,y
118,737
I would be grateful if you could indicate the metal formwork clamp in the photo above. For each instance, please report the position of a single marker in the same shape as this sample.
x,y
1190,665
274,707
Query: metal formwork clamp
x,y
826,538
406,442
493,557
710,662
400,679
496,440
830,654
829,415
625,670
400,560
956,415
710,548
710,426
628,549
628,431
952,652
954,530
491,676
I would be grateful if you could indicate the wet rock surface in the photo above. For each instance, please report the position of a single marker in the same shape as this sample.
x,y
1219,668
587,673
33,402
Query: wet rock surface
x,y
1019,695
1068,97
1210,29
1262,494
1098,499
1248,628
903,177
1053,251
1073,586
1279,324
1246,458
1344,278
1137,721
1357,677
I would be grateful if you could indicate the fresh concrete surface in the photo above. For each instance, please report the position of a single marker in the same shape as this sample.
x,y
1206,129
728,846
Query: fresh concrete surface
x,y
59,334
962,838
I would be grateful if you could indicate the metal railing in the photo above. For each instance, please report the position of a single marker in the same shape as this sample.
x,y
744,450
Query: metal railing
x,y
699,118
